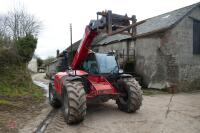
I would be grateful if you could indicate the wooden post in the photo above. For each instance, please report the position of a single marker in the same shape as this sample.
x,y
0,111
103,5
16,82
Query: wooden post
x,y
133,22
123,60
71,36
109,18
128,49
127,27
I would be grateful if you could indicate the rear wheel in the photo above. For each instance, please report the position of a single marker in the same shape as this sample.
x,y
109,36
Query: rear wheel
x,y
54,102
130,98
74,102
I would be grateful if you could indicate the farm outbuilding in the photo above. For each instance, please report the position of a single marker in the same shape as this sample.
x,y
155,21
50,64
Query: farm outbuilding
x,y
167,49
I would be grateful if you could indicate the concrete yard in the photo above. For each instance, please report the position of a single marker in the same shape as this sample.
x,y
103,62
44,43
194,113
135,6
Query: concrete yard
x,y
168,113
160,113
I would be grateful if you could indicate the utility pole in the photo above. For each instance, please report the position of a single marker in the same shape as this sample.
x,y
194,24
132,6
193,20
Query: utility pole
x,y
71,35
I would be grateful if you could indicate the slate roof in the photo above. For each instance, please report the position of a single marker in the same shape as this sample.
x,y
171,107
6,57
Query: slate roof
x,y
151,25
74,45
165,21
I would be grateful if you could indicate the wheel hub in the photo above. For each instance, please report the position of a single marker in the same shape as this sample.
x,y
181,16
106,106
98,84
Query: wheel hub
x,y
66,106
51,96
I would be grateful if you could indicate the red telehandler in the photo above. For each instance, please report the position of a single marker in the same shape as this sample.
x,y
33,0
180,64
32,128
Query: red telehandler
x,y
95,77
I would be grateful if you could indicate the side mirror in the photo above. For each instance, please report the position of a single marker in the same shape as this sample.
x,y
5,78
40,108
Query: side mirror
x,y
52,77
69,68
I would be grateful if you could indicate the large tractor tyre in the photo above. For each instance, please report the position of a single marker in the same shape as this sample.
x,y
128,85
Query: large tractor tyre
x,y
54,102
74,102
130,98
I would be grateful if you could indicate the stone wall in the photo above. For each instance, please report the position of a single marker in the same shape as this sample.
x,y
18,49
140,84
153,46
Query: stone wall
x,y
147,61
180,44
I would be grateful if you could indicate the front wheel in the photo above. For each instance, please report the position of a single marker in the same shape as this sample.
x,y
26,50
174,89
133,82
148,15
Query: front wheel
x,y
130,98
74,102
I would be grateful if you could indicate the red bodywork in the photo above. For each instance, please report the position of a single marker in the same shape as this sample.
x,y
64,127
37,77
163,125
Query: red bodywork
x,y
98,84
58,82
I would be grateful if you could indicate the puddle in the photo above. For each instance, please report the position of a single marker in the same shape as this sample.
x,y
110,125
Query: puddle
x,y
43,86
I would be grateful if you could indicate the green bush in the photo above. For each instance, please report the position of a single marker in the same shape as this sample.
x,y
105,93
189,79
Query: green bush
x,y
26,47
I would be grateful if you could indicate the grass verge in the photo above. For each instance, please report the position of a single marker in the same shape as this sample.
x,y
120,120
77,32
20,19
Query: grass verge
x,y
15,81
33,92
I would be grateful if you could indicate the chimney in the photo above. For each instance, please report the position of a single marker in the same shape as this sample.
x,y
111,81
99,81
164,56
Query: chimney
x,y
57,52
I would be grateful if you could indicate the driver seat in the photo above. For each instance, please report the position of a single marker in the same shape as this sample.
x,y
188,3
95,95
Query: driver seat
x,y
93,68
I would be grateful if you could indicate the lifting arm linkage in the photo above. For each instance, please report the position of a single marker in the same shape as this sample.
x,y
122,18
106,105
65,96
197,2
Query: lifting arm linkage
x,y
84,47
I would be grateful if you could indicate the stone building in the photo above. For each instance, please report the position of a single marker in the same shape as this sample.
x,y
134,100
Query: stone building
x,y
167,49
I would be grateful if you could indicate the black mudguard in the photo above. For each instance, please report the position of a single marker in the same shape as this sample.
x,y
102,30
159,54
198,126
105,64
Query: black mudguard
x,y
125,75
72,78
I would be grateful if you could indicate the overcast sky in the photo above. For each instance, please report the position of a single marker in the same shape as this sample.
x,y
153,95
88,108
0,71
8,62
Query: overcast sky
x,y
56,15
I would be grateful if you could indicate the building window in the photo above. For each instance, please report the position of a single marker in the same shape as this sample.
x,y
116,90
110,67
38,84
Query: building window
x,y
196,37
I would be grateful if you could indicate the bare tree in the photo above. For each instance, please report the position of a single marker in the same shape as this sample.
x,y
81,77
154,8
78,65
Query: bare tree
x,y
2,26
18,23
5,39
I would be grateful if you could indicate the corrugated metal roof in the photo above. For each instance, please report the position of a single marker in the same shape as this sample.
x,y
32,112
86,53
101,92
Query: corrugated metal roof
x,y
165,20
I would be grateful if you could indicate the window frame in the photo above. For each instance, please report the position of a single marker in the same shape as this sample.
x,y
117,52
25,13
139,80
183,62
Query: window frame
x,y
196,39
